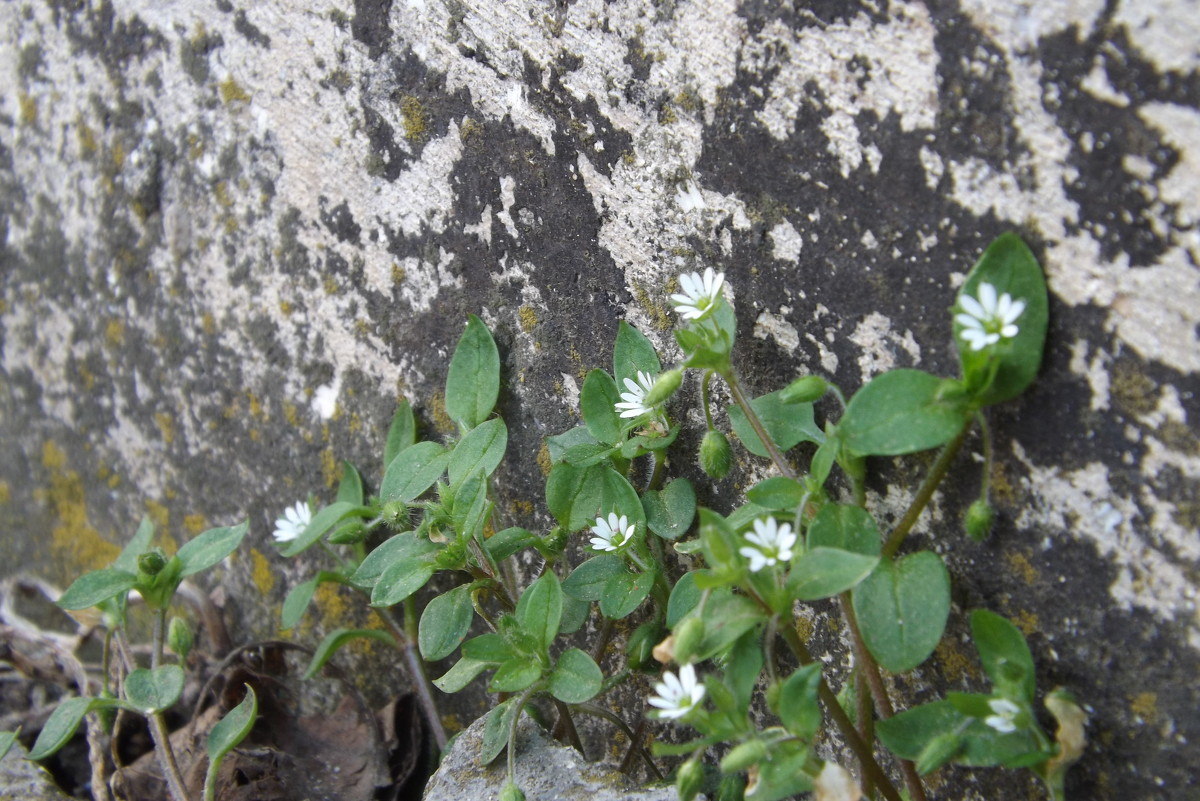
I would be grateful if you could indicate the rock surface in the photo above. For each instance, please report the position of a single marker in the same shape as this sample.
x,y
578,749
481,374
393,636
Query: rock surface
x,y
544,770
232,234
22,780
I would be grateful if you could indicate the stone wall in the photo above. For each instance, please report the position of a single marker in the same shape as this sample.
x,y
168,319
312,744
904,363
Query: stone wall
x,y
231,236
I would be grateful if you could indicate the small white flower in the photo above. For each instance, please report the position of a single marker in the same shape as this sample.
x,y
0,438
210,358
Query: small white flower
x,y
769,543
612,533
1004,719
677,696
295,519
989,319
699,295
634,401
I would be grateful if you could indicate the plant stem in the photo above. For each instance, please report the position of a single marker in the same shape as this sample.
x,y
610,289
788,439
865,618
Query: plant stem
x,y
739,397
512,734
160,623
567,724
601,712
417,673
936,473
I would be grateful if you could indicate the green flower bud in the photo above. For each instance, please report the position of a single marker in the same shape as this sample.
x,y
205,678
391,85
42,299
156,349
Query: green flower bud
x,y
689,779
553,544
774,690
512,792
979,520
664,387
716,455
452,557
804,390
743,756
688,636
179,637
731,788
640,648
395,513
151,563
349,533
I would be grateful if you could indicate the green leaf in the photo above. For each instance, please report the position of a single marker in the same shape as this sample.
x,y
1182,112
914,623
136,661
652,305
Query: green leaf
x,y
515,675
445,622
1004,655
597,402
586,582
718,540
211,547
401,579
576,496
482,448
491,648
229,731
539,609
325,519
850,528
743,666
463,673
631,353
61,726
414,470
670,511
297,601
825,572
336,639
727,617
96,587
575,613
777,493
153,691
401,433
504,544
471,505
573,439
782,774
473,382
350,489
799,709
903,411
495,730
909,733
624,592
138,545
406,545
576,677
902,609
1010,267
786,423
7,740
685,596
826,455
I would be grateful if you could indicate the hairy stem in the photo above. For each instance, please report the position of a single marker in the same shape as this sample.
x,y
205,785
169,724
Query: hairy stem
x,y
739,397
418,674
158,731
936,474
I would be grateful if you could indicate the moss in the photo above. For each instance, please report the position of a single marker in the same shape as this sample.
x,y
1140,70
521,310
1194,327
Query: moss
x,y
1132,391
441,419
415,118
1019,563
660,316
1145,706
528,318
232,92
544,462
261,572
471,130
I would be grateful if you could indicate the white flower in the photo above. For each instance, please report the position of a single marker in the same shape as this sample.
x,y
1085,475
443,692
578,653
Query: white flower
x,y
988,320
612,533
295,519
634,401
699,294
1003,720
677,696
769,543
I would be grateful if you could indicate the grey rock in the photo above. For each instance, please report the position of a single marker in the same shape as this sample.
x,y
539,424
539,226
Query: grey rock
x,y
22,780
544,770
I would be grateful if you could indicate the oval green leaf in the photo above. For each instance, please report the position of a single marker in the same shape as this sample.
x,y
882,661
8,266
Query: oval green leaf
x,y
902,609
414,470
401,433
445,622
576,677
624,592
482,448
633,352
405,545
903,411
786,423
597,402
96,587
850,528
401,579
825,572
211,547
473,381
671,510
495,730
60,727
539,609
1004,654
232,729
153,691
325,519
587,581
778,492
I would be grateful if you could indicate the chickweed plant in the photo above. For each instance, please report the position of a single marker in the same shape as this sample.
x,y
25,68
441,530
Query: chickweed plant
x,y
715,596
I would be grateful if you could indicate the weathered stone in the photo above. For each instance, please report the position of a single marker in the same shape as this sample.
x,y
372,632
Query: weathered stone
x,y
22,780
231,237
544,770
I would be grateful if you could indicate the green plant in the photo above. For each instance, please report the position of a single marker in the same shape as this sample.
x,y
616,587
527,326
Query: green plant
x,y
794,540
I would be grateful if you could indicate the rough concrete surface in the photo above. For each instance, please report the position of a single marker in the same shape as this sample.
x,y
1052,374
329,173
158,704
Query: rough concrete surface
x,y
232,235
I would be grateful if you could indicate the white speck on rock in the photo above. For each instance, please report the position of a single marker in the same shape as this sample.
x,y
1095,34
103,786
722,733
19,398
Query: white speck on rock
x,y
879,342
324,399
772,326
786,241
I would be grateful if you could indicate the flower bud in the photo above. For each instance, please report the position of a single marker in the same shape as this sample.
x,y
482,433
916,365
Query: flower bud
x,y
349,533
640,647
689,779
179,637
743,756
979,520
512,792
151,563
688,636
804,390
716,455
664,387
395,513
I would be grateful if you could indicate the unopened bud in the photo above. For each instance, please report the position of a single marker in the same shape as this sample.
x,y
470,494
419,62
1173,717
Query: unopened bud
x,y
151,563
395,513
689,779
640,648
664,387
979,520
716,455
743,756
688,636
512,792
804,390
349,533
179,637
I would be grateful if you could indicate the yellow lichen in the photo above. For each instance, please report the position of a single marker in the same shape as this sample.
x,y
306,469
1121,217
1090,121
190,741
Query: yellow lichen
x,y
331,285
208,324
256,407
953,659
329,468
29,109
166,426
522,506
660,315
398,274
528,318
1020,564
194,524
544,462
118,156
87,139
159,514
5,492
261,573
232,92
1026,621
415,118
114,332
285,307
441,419
221,192
1145,706
75,545
289,414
